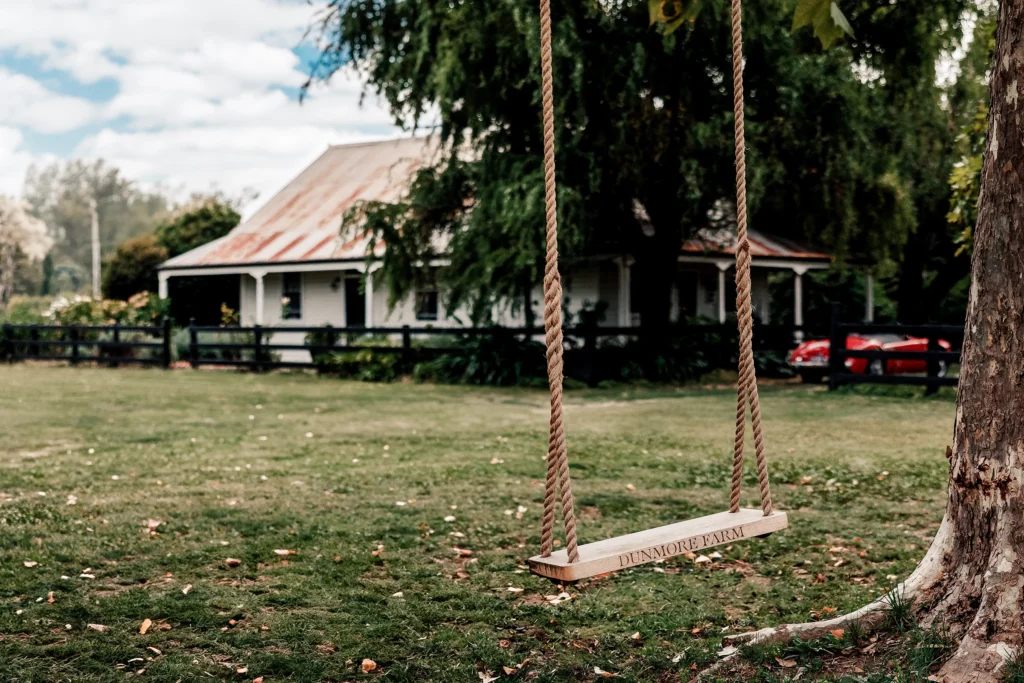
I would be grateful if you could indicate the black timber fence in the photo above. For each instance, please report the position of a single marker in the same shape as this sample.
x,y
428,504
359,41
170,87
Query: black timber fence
x,y
893,365
591,351
111,345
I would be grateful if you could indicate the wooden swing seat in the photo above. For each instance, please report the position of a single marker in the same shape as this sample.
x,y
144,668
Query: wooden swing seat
x,y
692,535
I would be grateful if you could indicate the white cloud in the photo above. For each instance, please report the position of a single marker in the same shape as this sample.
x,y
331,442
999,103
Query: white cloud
x,y
25,102
230,158
201,90
15,160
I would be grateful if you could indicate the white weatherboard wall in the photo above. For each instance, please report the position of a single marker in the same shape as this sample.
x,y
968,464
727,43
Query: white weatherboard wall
x,y
323,305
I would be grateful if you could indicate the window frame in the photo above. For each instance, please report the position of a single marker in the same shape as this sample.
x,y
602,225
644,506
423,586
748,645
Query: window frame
x,y
418,300
299,293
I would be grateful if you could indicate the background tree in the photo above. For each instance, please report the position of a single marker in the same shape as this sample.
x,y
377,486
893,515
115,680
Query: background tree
x,y
202,220
841,144
23,239
59,195
132,268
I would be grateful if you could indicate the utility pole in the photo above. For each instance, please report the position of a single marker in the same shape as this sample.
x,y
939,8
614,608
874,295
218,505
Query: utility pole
x,y
95,248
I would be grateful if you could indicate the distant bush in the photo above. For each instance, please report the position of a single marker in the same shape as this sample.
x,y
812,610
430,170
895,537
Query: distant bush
x,y
365,365
141,309
132,267
498,359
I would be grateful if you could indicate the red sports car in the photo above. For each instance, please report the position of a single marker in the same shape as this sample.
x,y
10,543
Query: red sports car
x,y
810,359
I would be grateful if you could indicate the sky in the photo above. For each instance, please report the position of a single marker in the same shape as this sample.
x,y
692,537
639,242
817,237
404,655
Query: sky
x,y
189,95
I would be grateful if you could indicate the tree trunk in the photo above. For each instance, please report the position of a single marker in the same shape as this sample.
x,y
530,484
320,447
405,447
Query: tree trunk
x,y
972,579
981,592
6,273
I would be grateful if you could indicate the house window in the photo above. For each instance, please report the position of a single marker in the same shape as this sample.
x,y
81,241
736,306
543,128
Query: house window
x,y
291,296
426,303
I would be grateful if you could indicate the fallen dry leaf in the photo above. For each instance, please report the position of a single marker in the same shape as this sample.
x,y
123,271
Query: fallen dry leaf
x,y
186,589
635,636
30,564
258,680
283,552
728,651
838,633
486,676
97,627
242,670
630,487
378,551
786,663
509,670
232,562
368,665
604,674
49,597
145,626
154,650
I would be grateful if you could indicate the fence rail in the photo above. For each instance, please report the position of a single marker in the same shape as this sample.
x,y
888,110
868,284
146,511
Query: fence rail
x,y
935,359
26,342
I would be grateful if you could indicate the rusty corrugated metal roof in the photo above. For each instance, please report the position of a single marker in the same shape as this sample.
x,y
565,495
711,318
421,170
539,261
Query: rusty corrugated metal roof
x,y
715,242
302,222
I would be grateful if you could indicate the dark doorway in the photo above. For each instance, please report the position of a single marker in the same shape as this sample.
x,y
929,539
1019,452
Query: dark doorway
x,y
201,297
355,303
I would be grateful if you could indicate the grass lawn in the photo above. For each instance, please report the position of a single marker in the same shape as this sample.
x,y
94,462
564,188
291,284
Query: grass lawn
x,y
130,489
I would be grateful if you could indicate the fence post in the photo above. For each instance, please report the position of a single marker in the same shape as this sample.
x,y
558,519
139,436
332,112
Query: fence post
x,y
257,339
932,364
406,345
836,345
33,335
589,351
167,342
8,345
115,347
193,344
74,345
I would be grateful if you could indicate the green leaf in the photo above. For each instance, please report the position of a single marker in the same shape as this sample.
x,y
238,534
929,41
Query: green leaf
x,y
825,16
840,20
670,14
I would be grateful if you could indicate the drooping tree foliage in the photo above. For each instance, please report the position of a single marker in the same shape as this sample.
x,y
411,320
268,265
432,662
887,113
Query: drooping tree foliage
x,y
846,147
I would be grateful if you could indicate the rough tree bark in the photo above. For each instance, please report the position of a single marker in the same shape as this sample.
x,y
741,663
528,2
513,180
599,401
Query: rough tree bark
x,y
972,579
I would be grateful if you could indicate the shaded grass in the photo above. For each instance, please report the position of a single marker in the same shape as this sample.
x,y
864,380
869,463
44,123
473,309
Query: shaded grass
x,y
863,477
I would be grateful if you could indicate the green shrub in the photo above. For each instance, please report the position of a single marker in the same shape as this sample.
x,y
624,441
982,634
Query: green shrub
x,y
132,267
141,309
325,336
498,359
365,365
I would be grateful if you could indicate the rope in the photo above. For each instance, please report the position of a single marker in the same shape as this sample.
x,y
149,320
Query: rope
x,y
746,385
558,457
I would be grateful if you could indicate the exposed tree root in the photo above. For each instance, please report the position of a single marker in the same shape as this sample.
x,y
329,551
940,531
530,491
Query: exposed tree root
x,y
981,609
868,617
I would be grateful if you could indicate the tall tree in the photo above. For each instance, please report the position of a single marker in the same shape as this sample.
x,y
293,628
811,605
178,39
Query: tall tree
x,y
972,578
60,195
644,135
22,238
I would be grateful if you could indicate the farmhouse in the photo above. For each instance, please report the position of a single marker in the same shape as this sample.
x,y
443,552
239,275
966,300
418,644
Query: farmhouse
x,y
295,267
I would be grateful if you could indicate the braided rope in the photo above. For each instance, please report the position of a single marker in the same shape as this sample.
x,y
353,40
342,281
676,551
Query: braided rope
x,y
558,457
746,385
